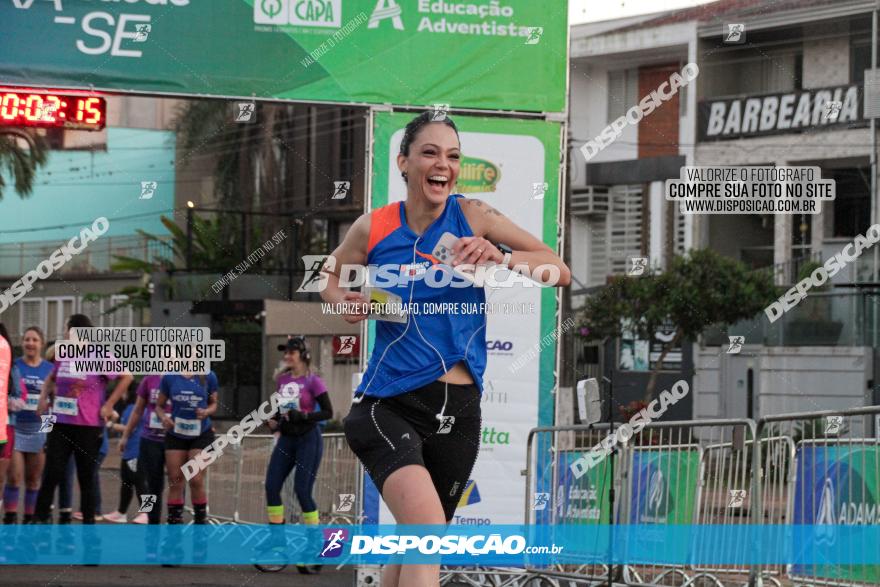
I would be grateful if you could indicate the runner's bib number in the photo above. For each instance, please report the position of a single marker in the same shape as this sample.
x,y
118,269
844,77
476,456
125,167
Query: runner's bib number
x,y
155,422
186,427
32,402
66,406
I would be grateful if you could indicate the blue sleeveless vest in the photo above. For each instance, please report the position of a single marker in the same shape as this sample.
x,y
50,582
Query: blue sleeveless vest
x,y
408,356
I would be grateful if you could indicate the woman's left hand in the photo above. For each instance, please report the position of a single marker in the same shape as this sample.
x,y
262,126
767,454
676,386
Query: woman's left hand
x,y
296,416
475,250
201,413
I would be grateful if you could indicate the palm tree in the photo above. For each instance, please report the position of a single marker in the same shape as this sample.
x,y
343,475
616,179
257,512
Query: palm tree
x,y
21,163
247,156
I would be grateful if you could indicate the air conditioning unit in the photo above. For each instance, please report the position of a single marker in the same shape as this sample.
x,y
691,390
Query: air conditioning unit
x,y
590,201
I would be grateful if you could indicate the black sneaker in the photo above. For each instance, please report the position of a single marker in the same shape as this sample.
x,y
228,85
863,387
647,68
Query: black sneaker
x,y
308,569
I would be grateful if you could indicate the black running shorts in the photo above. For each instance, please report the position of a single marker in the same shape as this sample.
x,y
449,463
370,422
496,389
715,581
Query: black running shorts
x,y
195,443
389,433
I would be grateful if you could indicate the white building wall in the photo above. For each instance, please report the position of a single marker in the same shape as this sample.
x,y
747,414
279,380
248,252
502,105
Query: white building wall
x,y
806,379
826,55
580,255
707,383
589,116
787,379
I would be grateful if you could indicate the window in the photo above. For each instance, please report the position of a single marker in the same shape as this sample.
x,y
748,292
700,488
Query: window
x,y
745,73
617,236
122,316
31,314
623,87
852,206
860,60
93,310
346,143
58,310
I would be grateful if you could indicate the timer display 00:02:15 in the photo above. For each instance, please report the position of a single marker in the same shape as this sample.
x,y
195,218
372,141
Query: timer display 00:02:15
x,y
49,110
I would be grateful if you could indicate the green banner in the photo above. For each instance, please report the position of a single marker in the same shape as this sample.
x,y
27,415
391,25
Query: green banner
x,y
490,54
583,500
663,485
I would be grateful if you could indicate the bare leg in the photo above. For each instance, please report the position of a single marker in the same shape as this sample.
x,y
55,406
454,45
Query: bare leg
x,y
33,469
412,499
174,460
4,467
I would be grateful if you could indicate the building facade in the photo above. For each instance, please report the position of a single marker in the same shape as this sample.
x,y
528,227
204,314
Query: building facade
x,y
762,97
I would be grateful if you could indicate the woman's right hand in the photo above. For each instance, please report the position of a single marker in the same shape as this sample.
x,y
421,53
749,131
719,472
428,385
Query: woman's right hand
x,y
167,422
273,425
122,442
351,299
42,406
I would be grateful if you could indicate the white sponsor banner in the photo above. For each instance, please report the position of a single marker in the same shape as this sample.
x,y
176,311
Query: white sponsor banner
x,y
495,491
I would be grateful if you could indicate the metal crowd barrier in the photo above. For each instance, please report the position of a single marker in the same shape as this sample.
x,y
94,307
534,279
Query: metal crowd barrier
x,y
812,468
236,482
834,479
670,473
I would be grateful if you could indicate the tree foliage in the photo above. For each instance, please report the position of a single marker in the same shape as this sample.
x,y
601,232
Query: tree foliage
x,y
21,164
698,290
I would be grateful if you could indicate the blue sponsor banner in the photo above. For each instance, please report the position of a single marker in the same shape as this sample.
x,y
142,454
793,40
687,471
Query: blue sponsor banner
x,y
498,545
836,486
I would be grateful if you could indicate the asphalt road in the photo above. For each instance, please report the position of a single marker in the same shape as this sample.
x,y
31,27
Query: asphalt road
x,y
147,576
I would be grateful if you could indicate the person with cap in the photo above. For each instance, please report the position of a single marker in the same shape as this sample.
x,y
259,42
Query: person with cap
x,y
303,403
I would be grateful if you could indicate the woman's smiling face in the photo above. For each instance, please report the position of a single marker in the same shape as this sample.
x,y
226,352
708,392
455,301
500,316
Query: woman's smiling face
x,y
31,343
433,162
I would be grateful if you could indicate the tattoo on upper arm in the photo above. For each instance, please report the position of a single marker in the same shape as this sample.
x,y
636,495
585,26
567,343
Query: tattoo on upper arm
x,y
491,210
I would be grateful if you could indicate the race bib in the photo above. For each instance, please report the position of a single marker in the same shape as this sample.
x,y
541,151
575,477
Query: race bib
x,y
186,427
291,404
32,402
155,422
66,406
290,395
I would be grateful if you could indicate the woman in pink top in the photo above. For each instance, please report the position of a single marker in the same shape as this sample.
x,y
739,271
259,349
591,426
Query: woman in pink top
x,y
81,414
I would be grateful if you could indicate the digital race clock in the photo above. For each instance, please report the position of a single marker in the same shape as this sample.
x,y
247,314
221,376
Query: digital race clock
x,y
51,110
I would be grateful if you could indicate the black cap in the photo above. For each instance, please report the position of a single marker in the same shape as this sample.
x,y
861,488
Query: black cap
x,y
294,343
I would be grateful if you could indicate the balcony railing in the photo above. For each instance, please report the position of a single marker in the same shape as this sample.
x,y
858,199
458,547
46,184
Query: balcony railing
x,y
18,258
820,319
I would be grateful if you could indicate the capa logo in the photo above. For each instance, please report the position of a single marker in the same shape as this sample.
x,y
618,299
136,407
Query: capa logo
x,y
316,12
320,13
476,176
499,345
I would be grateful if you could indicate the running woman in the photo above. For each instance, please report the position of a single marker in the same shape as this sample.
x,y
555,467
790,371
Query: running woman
x,y
187,431
81,415
151,455
28,459
304,402
415,419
